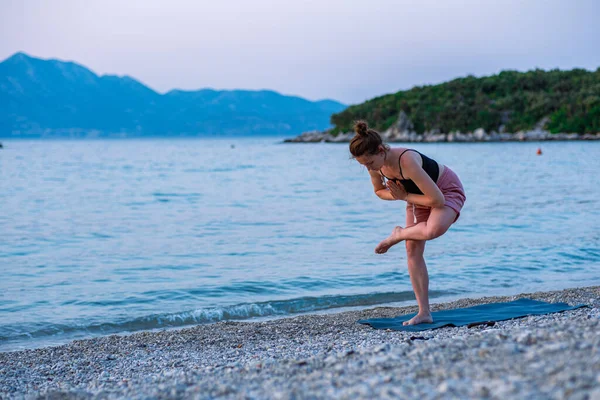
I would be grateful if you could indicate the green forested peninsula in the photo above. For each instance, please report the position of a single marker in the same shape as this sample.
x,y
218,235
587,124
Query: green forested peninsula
x,y
511,101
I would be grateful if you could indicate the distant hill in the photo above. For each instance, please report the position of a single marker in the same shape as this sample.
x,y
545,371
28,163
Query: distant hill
x,y
511,101
51,98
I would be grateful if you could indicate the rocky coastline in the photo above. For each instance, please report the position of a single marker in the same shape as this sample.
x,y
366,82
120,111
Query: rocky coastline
x,y
402,131
478,136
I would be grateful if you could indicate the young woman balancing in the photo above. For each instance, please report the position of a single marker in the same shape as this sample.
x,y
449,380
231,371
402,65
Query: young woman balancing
x,y
434,197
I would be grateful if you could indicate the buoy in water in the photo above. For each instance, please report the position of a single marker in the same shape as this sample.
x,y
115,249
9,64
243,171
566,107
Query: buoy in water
x,y
539,151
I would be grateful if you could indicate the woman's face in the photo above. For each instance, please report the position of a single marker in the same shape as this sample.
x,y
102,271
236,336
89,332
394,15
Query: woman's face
x,y
373,162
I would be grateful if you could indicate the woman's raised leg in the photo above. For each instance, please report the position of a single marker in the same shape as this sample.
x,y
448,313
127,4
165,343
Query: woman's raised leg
x,y
436,225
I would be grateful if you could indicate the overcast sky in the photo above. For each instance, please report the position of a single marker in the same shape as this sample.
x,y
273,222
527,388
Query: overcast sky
x,y
349,51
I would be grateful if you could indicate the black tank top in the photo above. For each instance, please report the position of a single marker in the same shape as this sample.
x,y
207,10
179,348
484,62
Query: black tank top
x,y
430,166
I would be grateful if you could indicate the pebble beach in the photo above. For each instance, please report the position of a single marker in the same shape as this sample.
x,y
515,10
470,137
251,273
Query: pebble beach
x,y
553,356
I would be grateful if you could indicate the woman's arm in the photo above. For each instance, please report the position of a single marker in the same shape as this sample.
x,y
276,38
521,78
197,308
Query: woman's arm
x,y
380,189
411,169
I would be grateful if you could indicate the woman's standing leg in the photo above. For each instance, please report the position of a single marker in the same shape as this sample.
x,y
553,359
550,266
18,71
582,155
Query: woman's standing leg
x,y
419,277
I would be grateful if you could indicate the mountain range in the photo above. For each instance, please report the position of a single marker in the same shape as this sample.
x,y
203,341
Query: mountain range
x,y
53,98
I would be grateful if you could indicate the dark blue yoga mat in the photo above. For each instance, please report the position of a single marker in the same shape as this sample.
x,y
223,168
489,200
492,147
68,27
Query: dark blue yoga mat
x,y
477,315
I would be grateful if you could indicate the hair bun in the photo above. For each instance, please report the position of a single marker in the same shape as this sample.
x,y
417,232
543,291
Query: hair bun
x,y
361,128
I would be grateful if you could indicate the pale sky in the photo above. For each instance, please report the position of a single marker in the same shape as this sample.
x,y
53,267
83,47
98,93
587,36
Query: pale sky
x,y
349,51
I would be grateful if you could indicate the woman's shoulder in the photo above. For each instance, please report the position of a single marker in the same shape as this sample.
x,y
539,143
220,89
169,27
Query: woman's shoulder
x,y
409,157
403,151
400,151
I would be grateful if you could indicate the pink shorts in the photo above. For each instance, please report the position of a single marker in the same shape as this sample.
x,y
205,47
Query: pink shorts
x,y
454,195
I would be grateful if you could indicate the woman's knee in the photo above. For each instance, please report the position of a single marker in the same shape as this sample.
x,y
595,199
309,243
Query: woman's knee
x,y
414,249
434,231
439,222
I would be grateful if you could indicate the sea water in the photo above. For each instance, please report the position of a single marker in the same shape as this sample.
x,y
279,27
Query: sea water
x,y
117,236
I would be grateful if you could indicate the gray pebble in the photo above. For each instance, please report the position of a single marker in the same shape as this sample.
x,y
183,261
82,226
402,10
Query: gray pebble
x,y
328,356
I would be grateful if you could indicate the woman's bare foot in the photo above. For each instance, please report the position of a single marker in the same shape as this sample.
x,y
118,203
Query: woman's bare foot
x,y
391,240
419,319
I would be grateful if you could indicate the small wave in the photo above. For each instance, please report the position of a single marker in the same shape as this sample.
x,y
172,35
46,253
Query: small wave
x,y
238,312
231,169
186,195
167,197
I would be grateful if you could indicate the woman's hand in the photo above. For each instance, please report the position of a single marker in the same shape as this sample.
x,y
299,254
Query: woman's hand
x,y
397,190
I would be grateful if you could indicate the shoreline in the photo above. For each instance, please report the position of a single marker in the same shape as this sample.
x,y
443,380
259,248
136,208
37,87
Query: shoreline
x,y
478,136
329,356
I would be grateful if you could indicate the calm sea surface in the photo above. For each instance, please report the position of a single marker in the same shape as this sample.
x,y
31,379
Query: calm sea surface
x,y
115,236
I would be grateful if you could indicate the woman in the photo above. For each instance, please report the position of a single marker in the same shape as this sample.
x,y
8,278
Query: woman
x,y
434,197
